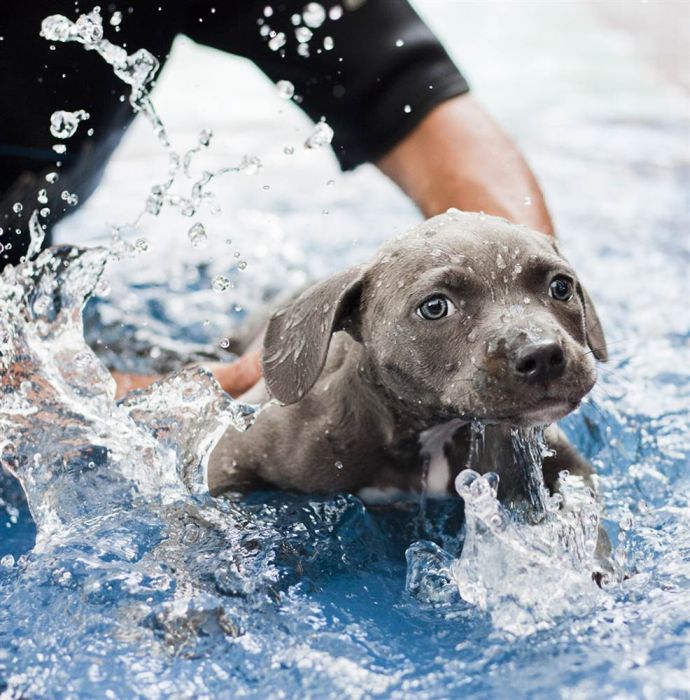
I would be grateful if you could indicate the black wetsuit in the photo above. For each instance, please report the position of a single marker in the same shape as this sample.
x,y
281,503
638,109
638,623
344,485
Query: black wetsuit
x,y
383,58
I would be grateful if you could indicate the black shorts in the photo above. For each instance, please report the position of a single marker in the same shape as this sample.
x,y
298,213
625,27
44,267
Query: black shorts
x,y
384,73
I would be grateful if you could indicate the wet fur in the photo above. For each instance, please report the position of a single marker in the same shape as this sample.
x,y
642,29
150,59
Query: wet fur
x,y
361,380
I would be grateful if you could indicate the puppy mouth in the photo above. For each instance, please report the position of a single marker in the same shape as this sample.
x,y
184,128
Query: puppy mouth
x,y
545,411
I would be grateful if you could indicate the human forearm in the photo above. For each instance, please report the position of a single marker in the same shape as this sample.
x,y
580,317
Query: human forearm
x,y
459,157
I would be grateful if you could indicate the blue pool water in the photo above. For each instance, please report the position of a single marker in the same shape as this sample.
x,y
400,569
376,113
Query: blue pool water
x,y
138,588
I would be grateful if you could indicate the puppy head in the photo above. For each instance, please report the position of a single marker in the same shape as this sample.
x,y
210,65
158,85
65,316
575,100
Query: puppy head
x,y
465,316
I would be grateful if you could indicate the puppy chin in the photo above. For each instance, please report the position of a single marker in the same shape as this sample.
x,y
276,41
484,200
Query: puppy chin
x,y
545,412
541,413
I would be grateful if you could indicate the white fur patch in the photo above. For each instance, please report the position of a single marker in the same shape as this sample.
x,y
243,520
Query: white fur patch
x,y
433,442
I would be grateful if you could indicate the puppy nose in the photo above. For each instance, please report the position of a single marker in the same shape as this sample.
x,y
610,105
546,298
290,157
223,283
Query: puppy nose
x,y
542,361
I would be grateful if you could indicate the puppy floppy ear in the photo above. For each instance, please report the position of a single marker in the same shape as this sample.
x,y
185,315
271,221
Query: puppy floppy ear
x,y
297,338
593,330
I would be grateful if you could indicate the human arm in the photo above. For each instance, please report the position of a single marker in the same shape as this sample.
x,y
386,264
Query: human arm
x,y
394,97
457,156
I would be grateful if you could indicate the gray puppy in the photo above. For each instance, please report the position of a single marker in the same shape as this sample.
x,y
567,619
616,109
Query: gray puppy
x,y
379,369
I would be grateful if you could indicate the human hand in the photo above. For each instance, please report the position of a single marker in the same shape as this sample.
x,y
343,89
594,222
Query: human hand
x,y
235,377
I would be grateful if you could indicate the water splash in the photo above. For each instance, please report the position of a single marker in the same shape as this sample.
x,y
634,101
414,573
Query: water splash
x,y
321,136
64,125
37,234
139,70
63,436
528,566
197,235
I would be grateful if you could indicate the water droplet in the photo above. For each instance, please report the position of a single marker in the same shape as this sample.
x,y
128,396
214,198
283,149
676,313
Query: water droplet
x,y
330,183
339,465
45,212
197,235
407,109
328,43
288,150
17,208
64,124
626,523
221,284
42,305
242,265
268,11
336,12
205,137
528,201
492,479
224,343
313,15
69,197
102,288
277,42
321,136
90,27
399,43
251,165
52,178
285,89
7,561
464,480
141,245
116,18
42,197
302,50
303,34
57,28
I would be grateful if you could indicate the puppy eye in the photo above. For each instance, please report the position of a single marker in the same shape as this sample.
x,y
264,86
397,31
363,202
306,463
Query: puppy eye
x,y
561,288
436,307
